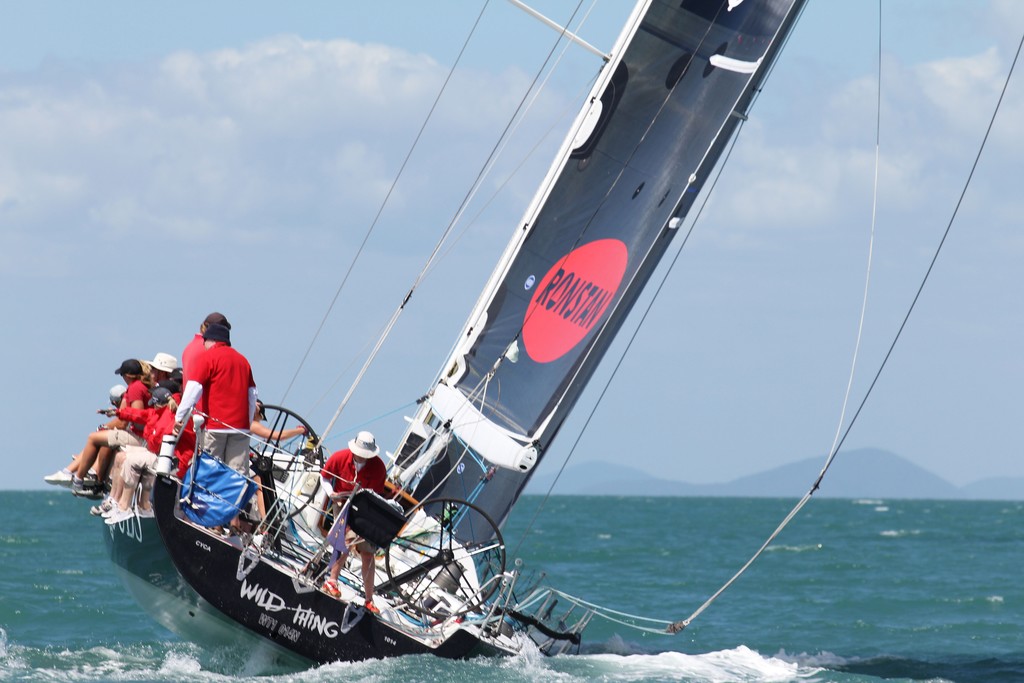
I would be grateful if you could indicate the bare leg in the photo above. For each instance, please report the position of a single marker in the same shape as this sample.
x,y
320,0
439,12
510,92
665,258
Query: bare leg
x,y
338,564
260,504
144,493
124,501
368,572
104,459
116,478
88,455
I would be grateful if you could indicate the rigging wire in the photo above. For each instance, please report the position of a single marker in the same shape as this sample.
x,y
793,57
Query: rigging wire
x,y
540,139
384,202
680,625
489,164
450,227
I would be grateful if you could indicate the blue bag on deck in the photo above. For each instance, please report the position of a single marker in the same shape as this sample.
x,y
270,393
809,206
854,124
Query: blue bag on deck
x,y
214,493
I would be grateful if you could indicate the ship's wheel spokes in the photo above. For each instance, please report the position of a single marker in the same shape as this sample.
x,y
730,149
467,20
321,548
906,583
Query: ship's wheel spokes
x,y
282,454
446,561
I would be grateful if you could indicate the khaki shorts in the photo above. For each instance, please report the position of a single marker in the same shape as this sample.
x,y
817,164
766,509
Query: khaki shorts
x,y
231,448
119,438
138,466
356,542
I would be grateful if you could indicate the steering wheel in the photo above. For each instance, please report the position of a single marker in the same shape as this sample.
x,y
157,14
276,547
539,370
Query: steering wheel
x,y
447,560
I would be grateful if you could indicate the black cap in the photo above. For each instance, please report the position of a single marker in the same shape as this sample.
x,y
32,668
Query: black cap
x,y
160,396
218,333
129,367
171,385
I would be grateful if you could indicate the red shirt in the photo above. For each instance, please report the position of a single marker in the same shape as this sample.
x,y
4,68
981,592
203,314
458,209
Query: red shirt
x,y
340,468
137,391
226,378
189,355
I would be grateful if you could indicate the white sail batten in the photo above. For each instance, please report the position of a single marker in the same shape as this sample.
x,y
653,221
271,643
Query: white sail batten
x,y
735,65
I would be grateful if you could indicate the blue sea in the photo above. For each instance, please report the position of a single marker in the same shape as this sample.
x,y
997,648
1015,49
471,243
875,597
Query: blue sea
x,y
853,590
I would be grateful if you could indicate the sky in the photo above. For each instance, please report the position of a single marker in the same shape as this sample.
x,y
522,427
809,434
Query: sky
x,y
158,162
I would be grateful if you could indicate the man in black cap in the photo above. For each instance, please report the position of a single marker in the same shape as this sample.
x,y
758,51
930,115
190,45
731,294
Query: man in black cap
x,y
196,347
221,387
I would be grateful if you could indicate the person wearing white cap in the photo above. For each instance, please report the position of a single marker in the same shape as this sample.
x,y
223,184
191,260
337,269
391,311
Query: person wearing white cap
x,y
164,362
347,470
161,367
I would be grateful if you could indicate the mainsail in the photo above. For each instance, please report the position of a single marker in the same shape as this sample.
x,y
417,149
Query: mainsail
x,y
680,80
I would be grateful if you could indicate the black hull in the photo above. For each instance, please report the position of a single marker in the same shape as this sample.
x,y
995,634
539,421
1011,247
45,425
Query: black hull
x,y
148,574
266,600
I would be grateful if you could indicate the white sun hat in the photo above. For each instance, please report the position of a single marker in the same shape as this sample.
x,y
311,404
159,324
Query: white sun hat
x,y
364,445
165,362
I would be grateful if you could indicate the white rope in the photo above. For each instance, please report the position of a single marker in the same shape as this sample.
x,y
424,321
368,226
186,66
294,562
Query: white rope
x,y
680,625
833,451
658,626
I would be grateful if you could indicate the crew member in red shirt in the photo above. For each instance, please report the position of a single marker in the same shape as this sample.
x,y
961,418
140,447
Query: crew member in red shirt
x,y
221,387
195,347
138,463
347,469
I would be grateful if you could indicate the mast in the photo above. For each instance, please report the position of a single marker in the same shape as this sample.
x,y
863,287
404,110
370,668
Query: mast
x,y
680,78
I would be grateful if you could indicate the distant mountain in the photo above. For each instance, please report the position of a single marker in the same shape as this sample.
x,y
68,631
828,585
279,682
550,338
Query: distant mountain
x,y
862,473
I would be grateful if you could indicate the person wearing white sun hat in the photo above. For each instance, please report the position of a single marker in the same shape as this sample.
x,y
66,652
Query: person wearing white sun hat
x,y
161,367
164,362
346,470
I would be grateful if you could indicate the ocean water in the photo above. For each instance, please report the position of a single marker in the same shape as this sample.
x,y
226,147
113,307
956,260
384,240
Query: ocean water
x,y
866,590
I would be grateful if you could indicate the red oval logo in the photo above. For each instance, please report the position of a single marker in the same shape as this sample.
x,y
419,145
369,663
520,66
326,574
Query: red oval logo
x,y
572,298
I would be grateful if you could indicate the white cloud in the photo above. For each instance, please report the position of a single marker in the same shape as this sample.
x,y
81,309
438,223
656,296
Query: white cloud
x,y
933,117
224,145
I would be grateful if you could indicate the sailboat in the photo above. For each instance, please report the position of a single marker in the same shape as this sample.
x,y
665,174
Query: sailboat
x,y
668,100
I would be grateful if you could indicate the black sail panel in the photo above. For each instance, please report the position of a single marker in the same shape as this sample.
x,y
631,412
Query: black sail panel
x,y
659,121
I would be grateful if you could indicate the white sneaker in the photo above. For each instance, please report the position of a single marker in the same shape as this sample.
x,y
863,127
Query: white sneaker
x,y
103,508
60,478
145,514
119,516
